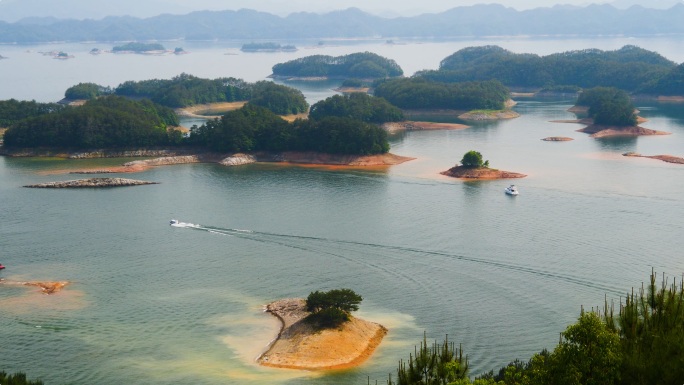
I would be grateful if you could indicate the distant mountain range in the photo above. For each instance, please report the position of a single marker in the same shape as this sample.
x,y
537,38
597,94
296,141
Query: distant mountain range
x,y
470,21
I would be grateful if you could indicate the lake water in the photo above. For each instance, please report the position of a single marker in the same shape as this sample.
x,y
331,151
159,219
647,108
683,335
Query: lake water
x,y
150,303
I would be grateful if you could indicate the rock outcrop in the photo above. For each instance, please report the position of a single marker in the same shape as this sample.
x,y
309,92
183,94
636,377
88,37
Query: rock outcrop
x,y
93,182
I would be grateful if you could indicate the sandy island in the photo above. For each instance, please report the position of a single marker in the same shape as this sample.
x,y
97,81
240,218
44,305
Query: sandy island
x,y
299,346
598,131
480,173
45,287
557,139
410,125
664,158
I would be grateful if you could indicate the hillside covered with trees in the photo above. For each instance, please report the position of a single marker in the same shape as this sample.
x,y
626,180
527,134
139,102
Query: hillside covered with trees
x,y
107,122
630,68
361,65
12,110
359,106
254,128
421,93
187,90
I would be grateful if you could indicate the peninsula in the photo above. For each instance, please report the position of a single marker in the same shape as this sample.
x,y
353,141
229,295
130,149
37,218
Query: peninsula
x,y
301,346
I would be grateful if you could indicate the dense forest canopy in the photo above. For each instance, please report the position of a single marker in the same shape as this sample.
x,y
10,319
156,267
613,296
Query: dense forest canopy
x,y
280,99
86,91
360,106
106,122
254,128
12,110
608,106
630,68
186,90
363,65
421,93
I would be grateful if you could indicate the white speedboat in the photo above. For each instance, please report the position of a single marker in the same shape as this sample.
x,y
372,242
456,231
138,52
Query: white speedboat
x,y
512,190
173,222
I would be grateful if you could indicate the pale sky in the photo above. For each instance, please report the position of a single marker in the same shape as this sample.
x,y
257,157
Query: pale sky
x,y
12,10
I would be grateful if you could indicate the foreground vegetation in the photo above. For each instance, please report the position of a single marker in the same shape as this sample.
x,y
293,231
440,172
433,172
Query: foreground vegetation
x,y
17,379
641,344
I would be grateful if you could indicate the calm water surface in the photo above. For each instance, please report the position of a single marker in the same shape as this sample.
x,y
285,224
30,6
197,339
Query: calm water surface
x,y
154,304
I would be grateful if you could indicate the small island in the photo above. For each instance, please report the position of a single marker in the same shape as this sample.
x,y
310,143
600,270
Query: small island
x,y
360,65
472,167
267,47
319,333
557,139
141,48
610,113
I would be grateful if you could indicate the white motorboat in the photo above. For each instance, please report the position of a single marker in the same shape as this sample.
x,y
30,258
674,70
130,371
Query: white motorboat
x,y
512,190
173,222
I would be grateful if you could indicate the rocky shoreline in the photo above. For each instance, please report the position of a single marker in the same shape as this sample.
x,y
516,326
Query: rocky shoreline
x,y
300,346
664,158
91,183
598,131
480,173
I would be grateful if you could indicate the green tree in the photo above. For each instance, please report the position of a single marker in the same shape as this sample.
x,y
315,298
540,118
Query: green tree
x,y
332,308
472,159
651,328
86,91
589,353
437,364
17,379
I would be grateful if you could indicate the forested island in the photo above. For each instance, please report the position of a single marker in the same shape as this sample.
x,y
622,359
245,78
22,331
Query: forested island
x,y
474,167
630,68
360,65
136,47
267,47
610,112
418,93
186,90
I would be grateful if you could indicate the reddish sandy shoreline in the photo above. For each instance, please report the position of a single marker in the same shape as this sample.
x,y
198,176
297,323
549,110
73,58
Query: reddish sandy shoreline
x,y
664,158
480,173
299,346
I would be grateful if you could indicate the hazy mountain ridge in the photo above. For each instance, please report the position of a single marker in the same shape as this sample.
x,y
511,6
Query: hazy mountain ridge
x,y
476,21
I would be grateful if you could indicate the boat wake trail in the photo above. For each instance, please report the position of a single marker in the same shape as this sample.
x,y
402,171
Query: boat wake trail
x,y
346,250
